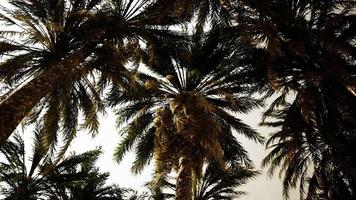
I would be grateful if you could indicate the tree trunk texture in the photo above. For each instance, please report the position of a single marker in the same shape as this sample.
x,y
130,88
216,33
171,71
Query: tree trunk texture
x,y
15,107
184,179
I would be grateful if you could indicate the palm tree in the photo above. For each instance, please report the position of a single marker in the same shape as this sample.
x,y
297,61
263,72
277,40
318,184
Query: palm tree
x,y
48,40
93,187
215,183
156,193
202,12
52,61
221,184
306,158
184,112
209,11
312,53
46,175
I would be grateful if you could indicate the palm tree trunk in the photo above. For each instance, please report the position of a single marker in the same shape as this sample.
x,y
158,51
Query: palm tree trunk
x,y
184,179
15,107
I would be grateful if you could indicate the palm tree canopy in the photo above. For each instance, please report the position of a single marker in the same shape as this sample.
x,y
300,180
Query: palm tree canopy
x,y
47,44
300,37
94,187
188,102
47,174
222,184
53,60
215,183
305,158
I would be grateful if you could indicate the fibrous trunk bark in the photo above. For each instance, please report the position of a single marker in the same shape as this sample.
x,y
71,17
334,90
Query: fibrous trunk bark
x,y
184,179
15,107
